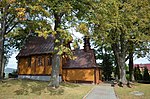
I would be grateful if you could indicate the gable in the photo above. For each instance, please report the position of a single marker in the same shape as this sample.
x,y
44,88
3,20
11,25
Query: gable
x,y
37,45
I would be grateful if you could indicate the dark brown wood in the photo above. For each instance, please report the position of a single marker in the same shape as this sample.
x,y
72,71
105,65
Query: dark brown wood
x,y
131,72
95,75
18,67
44,65
35,65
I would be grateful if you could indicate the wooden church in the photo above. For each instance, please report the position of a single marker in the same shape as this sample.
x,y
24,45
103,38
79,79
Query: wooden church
x,y
35,62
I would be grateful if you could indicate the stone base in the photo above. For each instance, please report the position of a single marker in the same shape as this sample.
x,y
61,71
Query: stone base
x,y
41,78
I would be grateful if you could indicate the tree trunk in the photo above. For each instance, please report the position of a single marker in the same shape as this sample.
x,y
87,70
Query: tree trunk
x,y
55,71
54,82
117,73
120,59
131,72
2,62
116,60
3,31
117,70
121,63
1,66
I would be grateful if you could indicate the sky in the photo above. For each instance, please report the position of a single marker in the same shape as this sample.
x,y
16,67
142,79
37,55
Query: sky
x,y
13,62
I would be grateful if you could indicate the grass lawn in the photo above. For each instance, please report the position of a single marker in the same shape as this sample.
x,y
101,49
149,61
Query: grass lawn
x,y
125,92
28,89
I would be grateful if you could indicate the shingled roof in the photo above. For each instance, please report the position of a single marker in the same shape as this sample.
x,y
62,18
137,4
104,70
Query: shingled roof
x,y
37,45
84,59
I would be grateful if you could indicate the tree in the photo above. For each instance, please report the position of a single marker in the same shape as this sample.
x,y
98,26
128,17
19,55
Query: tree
x,y
44,17
131,73
62,12
11,14
107,67
116,22
140,50
71,12
104,53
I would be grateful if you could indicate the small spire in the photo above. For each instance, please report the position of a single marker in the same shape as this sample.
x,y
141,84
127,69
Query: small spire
x,y
87,43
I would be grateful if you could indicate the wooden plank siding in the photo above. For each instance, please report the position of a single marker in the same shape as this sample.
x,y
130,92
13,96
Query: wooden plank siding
x,y
35,68
82,75
97,72
78,75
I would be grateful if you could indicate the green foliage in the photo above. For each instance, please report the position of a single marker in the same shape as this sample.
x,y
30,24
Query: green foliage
x,y
107,66
114,18
137,73
117,23
82,28
104,53
11,14
146,75
14,74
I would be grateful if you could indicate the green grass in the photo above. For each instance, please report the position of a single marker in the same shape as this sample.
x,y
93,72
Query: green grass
x,y
125,92
28,89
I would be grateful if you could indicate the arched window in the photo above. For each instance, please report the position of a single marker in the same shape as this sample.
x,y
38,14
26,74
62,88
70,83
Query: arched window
x,y
29,61
40,63
49,60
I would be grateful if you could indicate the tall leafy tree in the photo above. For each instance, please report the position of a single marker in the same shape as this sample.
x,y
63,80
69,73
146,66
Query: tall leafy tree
x,y
117,22
72,13
136,49
44,17
11,14
55,17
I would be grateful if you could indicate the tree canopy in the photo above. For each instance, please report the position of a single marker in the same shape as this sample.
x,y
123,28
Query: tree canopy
x,y
118,22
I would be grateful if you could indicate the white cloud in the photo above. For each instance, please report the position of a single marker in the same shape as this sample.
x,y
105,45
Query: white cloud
x,y
141,61
12,61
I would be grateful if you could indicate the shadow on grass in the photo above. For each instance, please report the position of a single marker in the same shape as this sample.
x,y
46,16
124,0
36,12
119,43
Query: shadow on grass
x,y
8,82
70,85
37,87
26,87
144,81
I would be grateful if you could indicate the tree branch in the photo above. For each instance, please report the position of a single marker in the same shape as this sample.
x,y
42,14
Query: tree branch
x,y
10,22
127,58
11,28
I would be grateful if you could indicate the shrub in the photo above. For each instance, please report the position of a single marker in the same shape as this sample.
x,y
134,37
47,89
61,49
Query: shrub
x,y
146,75
14,74
137,73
